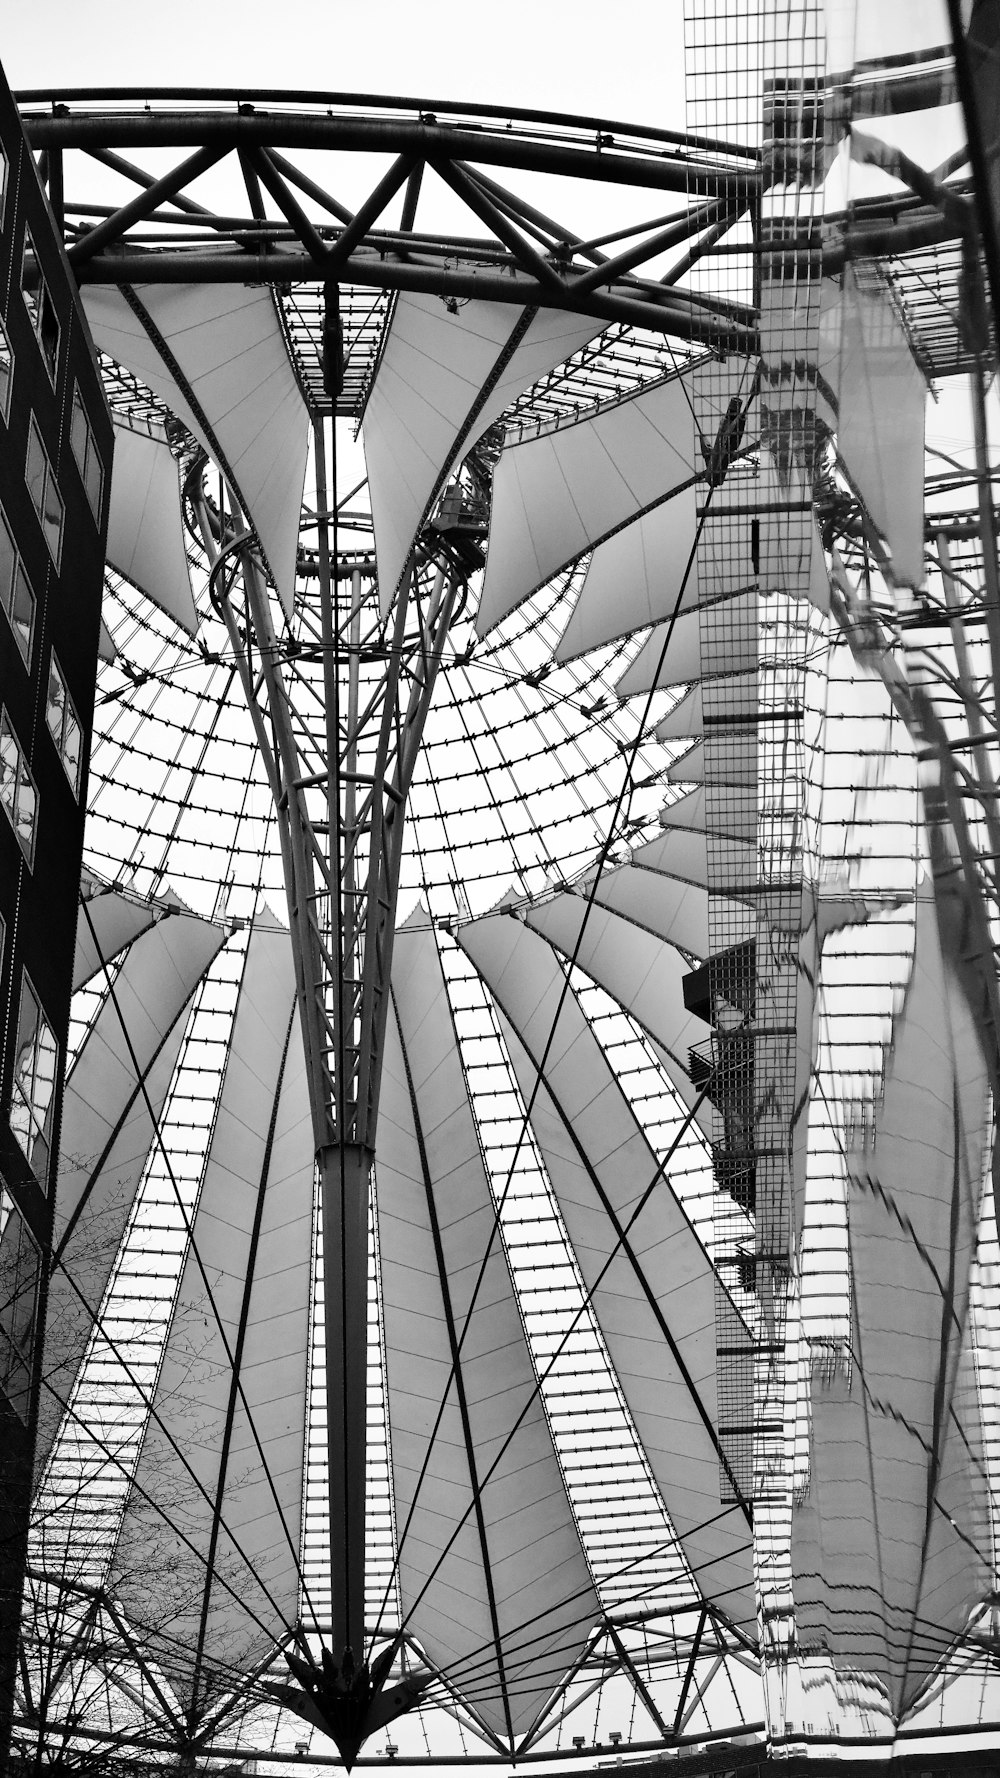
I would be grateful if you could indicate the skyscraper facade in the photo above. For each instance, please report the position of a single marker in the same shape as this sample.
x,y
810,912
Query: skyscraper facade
x,y
55,462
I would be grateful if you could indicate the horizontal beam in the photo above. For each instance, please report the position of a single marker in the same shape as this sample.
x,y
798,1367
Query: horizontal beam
x,y
510,116
606,160
669,313
141,207
872,240
575,1758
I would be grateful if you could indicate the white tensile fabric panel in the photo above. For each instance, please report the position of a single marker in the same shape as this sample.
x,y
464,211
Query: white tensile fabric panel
x,y
882,399
928,136
229,347
106,650
782,564
686,719
889,1544
734,863
107,1128
703,812
642,973
733,648
731,698
690,768
861,33
667,657
110,923
654,1282
689,850
668,908
145,528
218,1443
561,493
428,405
635,578
551,337
730,635
436,1215
718,759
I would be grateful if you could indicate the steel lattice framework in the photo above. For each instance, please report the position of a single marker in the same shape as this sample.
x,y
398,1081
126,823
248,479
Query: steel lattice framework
x,y
338,694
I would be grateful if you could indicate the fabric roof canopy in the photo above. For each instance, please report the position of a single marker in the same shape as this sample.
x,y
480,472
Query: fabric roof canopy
x,y
113,1098
558,495
890,1542
649,1277
218,1486
642,972
493,1575
442,380
881,399
111,921
215,354
145,528
766,1215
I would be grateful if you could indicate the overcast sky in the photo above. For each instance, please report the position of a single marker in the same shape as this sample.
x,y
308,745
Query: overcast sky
x,y
623,61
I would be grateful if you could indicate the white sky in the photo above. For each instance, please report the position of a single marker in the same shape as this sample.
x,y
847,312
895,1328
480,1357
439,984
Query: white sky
x,y
624,61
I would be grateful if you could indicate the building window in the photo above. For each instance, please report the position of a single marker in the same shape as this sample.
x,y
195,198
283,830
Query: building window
x,y
6,372
46,498
20,1266
40,307
17,788
16,595
88,459
64,724
34,1082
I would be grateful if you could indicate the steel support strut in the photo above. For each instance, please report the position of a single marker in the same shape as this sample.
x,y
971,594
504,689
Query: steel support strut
x,y
338,710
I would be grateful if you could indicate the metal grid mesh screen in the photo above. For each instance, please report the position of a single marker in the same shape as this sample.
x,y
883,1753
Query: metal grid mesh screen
x,y
753,77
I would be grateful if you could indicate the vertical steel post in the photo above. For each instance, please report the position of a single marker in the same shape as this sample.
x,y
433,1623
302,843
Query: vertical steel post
x,y
339,752
344,1178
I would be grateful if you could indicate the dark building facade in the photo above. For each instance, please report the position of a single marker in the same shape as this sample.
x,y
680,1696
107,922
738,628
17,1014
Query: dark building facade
x,y
55,465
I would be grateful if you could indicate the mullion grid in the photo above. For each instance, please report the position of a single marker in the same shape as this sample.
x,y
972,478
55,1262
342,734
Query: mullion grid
x,y
724,98
791,201
744,72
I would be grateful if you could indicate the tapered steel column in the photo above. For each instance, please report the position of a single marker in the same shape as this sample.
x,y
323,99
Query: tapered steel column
x,y
339,746
344,1179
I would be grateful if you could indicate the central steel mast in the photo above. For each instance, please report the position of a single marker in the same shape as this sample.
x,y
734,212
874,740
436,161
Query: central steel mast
x,y
338,710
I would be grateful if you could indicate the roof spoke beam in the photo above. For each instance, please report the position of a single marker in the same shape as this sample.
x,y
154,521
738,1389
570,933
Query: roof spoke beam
x,y
638,305
118,164
252,183
547,233
641,1688
609,161
370,211
142,206
661,242
308,187
260,163
411,198
689,1673
488,212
